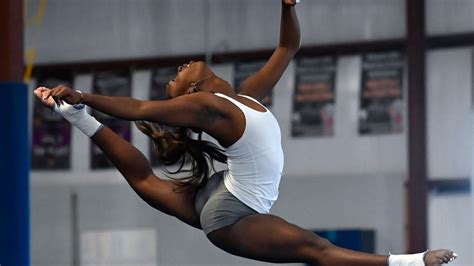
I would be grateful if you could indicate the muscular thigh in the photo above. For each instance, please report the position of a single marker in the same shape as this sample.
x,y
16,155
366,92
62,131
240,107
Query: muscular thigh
x,y
164,196
264,237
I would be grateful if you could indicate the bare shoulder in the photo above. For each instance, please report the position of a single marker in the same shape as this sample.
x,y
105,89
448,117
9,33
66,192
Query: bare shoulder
x,y
197,101
199,110
209,109
251,92
219,117
211,102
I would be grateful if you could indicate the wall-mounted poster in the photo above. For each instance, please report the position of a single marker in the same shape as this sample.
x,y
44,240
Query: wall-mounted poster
x,y
381,102
159,79
111,83
51,143
314,97
243,70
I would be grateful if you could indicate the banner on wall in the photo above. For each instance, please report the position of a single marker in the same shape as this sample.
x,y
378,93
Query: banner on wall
x,y
314,97
159,79
381,102
243,70
51,143
110,83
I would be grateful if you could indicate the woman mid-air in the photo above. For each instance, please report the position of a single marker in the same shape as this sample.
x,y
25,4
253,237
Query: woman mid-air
x,y
231,206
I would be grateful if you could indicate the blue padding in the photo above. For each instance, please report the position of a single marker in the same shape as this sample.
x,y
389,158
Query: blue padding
x,y
14,175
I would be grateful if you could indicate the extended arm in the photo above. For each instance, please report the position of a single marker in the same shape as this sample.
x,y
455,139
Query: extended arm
x,y
261,83
192,110
178,111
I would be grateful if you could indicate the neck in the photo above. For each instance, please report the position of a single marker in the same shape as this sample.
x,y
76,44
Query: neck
x,y
214,84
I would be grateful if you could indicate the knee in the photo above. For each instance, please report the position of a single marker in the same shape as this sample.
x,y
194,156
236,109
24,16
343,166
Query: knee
x,y
314,248
319,249
320,243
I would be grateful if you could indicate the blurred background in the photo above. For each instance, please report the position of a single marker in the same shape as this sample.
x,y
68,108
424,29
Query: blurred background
x,y
375,112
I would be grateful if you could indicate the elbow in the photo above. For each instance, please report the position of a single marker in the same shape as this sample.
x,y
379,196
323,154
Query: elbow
x,y
291,49
296,45
291,44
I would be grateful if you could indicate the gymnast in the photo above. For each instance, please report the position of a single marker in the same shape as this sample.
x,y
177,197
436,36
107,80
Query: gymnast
x,y
232,206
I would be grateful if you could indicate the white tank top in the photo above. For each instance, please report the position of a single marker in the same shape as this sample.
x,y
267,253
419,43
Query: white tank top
x,y
255,160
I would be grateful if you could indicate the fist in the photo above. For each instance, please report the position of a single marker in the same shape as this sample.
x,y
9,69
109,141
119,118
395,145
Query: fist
x,y
290,2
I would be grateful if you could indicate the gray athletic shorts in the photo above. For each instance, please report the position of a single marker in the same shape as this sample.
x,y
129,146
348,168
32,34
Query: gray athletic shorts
x,y
217,207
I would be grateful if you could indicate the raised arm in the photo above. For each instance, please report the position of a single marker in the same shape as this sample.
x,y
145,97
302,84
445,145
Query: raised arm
x,y
261,83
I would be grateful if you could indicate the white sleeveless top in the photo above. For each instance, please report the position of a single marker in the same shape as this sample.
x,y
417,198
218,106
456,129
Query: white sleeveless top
x,y
255,160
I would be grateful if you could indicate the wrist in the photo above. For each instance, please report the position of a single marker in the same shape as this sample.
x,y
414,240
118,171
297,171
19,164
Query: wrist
x,y
81,101
77,116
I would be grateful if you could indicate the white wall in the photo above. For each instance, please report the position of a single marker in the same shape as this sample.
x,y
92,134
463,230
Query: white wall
x,y
92,30
450,149
450,225
447,17
448,92
50,225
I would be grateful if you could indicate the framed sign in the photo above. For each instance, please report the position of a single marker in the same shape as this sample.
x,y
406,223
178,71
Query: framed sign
x,y
381,101
314,97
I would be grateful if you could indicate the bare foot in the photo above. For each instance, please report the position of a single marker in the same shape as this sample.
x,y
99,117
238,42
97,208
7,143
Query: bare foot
x,y
438,257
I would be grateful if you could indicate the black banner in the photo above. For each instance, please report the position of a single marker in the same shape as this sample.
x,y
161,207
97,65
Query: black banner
x,y
51,143
112,83
243,70
381,102
314,97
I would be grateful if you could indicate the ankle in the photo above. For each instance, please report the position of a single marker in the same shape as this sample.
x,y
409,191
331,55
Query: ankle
x,y
417,259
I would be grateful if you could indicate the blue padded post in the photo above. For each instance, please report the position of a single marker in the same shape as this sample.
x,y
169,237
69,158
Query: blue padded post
x,y
14,175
